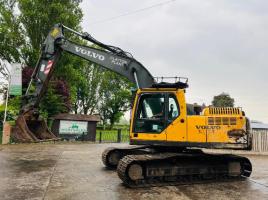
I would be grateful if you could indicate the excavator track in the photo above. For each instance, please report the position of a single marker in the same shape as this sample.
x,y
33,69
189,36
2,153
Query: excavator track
x,y
112,155
163,169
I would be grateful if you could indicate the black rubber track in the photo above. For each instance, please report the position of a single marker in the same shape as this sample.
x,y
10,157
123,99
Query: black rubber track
x,y
130,150
150,159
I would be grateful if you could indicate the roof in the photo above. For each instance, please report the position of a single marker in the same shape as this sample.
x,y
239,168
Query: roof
x,y
179,85
77,117
258,125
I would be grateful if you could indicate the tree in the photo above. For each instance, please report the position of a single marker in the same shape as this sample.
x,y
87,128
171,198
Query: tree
x,y
89,90
116,97
52,104
10,32
4,76
223,100
75,82
11,37
37,18
12,109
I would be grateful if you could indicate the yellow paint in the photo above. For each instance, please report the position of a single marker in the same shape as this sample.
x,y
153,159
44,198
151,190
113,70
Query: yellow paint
x,y
176,131
193,133
54,33
194,128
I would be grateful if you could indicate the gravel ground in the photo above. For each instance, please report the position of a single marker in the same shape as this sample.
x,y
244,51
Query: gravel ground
x,y
75,171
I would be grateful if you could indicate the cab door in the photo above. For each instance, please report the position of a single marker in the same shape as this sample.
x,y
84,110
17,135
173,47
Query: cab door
x,y
176,117
149,122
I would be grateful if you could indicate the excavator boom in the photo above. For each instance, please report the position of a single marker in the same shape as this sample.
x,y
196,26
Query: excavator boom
x,y
29,125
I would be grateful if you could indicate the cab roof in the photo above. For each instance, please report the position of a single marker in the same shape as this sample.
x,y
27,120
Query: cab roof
x,y
177,85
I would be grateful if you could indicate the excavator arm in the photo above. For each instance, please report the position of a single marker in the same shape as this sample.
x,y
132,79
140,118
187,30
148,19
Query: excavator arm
x,y
29,125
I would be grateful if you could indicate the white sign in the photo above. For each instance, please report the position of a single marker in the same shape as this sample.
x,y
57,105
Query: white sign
x,y
72,127
15,83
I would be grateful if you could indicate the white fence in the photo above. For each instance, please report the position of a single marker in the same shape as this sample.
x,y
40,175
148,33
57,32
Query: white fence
x,y
260,140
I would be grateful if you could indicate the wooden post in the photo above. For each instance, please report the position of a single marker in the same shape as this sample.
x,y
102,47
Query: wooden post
x,y
119,131
6,133
100,137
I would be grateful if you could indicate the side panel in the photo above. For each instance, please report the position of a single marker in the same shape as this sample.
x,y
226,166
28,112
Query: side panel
x,y
176,131
225,124
151,136
195,128
218,133
214,129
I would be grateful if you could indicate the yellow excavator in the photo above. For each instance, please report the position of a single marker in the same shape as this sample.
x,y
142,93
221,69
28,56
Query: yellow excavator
x,y
166,135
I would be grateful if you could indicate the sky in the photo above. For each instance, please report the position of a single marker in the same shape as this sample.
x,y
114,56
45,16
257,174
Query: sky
x,y
221,46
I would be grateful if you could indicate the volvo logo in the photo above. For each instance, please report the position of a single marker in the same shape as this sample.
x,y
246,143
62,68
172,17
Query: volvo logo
x,y
90,53
208,127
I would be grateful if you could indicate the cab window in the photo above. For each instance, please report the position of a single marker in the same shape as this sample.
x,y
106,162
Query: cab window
x,y
150,114
173,108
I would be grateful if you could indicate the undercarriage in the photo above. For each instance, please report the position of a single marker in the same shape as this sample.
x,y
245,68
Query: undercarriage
x,y
157,166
